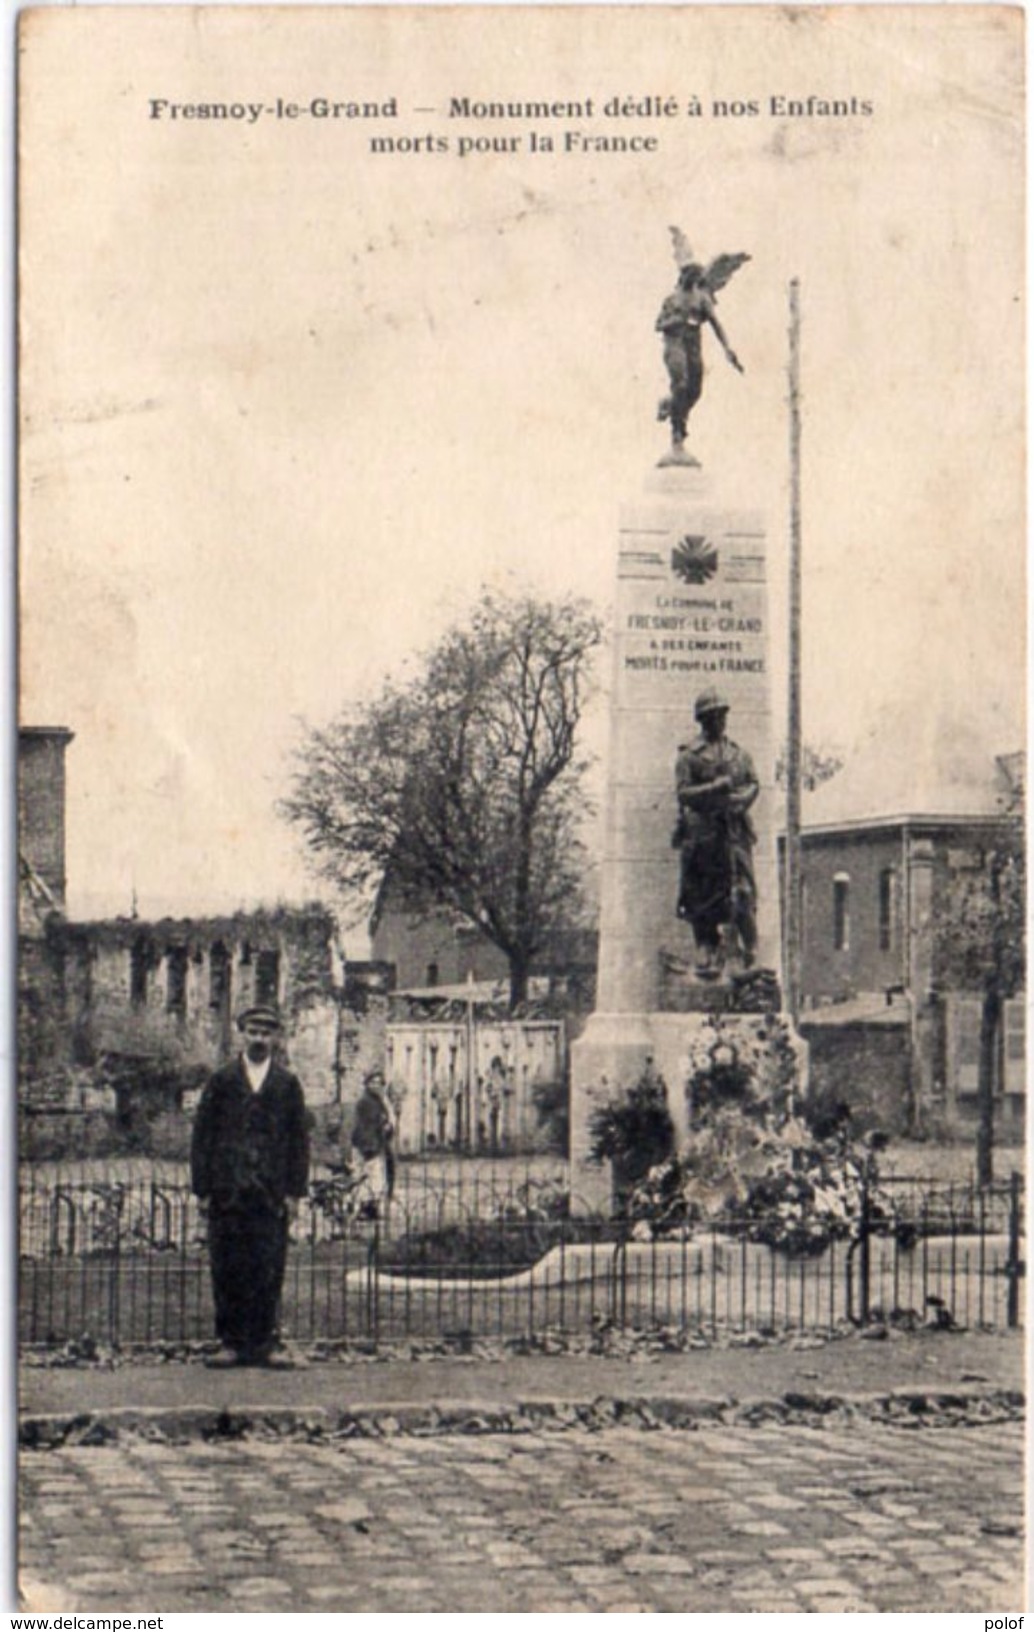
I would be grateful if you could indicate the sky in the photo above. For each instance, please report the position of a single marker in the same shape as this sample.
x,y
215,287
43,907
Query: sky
x,y
287,404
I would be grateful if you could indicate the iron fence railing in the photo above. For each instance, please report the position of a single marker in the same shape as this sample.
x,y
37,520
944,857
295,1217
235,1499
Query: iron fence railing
x,y
124,1261
446,1187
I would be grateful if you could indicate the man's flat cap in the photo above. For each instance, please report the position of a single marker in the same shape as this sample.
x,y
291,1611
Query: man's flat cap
x,y
260,1014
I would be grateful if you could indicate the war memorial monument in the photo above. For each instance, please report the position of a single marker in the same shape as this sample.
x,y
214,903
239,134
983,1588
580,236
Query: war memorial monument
x,y
689,910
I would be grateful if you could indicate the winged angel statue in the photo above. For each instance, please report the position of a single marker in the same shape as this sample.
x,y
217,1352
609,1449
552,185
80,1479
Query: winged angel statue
x,y
687,308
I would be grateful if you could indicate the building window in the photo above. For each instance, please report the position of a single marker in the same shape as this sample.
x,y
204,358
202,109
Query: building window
x,y
176,980
267,978
219,977
841,912
139,967
888,901
432,975
1012,1077
1015,1047
967,1045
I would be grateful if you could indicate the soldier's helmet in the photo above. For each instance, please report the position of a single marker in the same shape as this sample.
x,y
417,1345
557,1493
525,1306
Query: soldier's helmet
x,y
710,702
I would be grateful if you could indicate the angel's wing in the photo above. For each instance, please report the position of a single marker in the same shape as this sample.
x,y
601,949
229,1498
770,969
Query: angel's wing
x,y
721,270
680,247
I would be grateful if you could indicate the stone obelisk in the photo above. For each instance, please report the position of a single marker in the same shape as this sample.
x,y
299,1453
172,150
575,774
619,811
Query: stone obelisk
x,y
691,615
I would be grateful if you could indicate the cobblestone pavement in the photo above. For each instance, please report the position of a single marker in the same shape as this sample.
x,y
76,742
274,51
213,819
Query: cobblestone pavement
x,y
858,1517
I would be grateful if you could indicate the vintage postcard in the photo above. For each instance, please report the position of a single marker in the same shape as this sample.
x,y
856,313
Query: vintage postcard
x,y
520,791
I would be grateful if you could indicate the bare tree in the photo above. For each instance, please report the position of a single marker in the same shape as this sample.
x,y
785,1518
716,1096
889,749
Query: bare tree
x,y
462,787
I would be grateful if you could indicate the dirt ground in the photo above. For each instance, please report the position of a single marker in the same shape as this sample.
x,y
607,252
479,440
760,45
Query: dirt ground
x,y
743,1369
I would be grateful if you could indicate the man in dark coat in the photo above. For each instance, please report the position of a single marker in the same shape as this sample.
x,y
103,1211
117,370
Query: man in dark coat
x,y
249,1164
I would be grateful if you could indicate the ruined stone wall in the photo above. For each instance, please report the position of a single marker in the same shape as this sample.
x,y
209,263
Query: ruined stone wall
x,y
310,1048
363,1047
118,994
133,1023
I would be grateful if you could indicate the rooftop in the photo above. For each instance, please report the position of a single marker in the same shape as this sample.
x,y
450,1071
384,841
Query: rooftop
x,y
899,775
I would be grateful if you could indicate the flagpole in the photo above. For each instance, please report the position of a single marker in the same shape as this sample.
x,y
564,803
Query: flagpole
x,y
792,883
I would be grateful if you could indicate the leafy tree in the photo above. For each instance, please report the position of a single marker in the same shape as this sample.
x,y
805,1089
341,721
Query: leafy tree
x,y
818,765
980,925
462,787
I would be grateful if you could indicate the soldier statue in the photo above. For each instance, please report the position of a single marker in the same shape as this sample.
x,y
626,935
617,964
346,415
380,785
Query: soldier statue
x,y
716,785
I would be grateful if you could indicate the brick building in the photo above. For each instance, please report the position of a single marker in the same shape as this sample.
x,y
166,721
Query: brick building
x,y
45,1055
429,949
41,824
886,1024
438,948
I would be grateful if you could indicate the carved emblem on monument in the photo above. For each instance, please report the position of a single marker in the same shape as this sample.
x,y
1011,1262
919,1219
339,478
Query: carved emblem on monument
x,y
694,560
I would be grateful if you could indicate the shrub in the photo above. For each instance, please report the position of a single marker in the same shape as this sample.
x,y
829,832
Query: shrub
x,y
634,1129
476,1249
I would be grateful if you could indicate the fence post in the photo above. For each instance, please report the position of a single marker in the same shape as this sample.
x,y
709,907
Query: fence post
x,y
115,1286
1014,1267
864,1263
62,1200
373,1306
619,1283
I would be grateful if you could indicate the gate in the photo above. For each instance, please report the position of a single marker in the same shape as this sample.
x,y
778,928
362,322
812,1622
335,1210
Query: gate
x,y
468,1084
